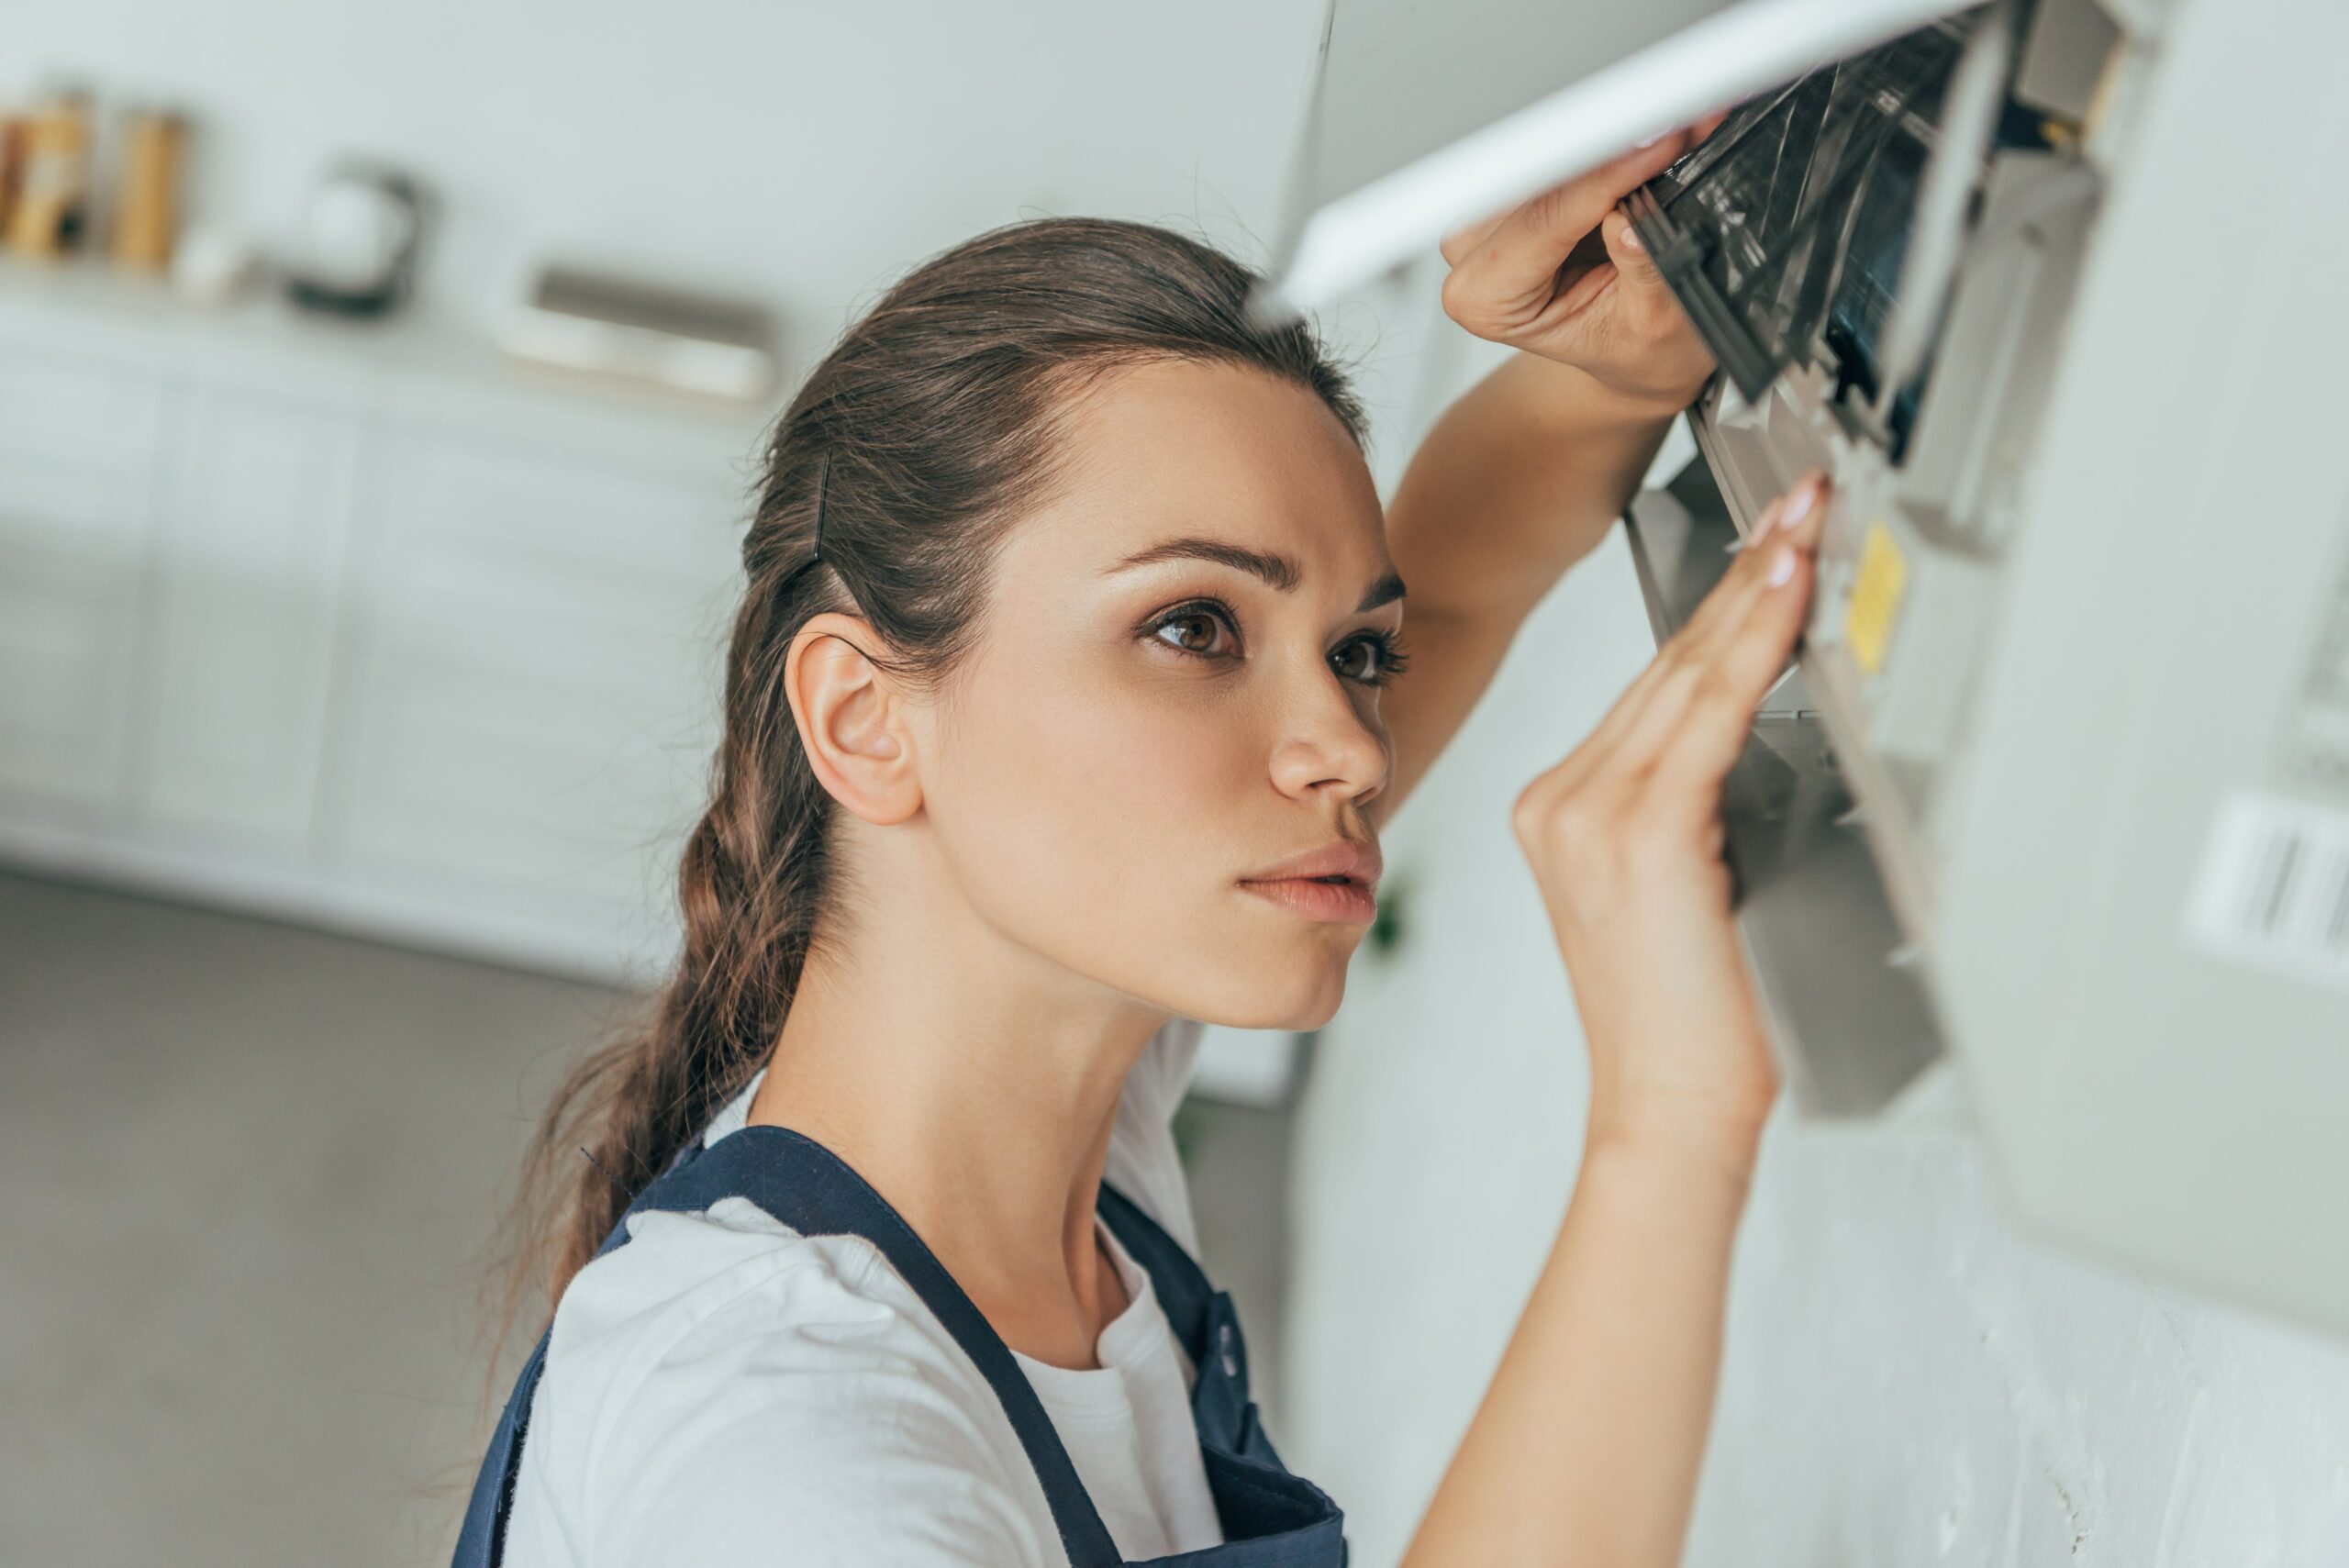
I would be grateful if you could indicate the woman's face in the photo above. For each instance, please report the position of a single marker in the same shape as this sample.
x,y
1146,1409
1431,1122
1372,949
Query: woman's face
x,y
1173,694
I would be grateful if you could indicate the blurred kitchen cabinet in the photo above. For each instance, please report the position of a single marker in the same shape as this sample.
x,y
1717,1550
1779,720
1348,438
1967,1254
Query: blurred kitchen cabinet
x,y
76,437
356,628
535,673
240,648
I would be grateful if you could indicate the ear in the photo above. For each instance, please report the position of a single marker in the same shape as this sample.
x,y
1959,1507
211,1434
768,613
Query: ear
x,y
850,714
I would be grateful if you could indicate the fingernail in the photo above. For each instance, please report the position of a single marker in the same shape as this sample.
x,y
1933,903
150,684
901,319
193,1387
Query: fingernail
x,y
1631,239
1799,504
1782,570
1650,142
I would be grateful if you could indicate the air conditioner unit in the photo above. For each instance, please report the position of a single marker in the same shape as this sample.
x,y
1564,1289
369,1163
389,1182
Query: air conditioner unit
x,y
2058,787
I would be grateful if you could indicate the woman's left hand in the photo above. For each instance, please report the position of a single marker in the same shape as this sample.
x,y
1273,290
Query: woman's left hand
x,y
1563,276
1625,840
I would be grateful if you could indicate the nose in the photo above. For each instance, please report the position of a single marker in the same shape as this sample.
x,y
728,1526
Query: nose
x,y
1327,747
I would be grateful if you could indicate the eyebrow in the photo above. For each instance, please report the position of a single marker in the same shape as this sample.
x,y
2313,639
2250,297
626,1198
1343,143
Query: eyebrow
x,y
1280,572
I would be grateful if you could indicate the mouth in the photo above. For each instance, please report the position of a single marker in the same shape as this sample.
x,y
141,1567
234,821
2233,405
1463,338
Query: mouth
x,y
1337,898
1335,883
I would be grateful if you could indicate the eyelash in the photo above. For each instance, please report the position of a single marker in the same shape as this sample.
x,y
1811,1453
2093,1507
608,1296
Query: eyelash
x,y
1389,658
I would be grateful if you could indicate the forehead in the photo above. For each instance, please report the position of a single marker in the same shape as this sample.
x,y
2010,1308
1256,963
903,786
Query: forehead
x,y
1180,447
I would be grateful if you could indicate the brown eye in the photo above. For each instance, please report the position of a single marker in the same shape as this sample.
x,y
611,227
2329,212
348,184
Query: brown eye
x,y
1356,660
1372,661
1193,628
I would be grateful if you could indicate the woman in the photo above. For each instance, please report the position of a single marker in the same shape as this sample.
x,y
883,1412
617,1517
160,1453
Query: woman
x,y
1058,716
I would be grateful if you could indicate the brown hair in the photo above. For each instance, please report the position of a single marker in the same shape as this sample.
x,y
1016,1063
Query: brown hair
x,y
935,421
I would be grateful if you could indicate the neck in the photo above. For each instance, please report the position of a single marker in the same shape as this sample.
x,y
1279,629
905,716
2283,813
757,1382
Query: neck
x,y
973,1084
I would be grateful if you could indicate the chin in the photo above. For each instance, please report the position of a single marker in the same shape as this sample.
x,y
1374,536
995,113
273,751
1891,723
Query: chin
x,y
1288,991
1319,1013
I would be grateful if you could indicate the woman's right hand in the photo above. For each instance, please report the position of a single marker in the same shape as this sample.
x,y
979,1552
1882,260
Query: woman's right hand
x,y
1625,839
1564,275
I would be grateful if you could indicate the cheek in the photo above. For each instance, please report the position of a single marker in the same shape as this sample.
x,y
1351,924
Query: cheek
x,y
1101,816
1102,787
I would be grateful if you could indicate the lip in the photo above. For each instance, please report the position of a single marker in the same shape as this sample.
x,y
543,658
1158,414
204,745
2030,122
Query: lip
x,y
1335,882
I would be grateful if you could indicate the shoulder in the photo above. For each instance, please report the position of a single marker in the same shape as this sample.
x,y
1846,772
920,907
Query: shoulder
x,y
723,1389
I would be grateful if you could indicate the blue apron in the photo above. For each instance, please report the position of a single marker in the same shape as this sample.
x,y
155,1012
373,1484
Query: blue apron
x,y
1271,1519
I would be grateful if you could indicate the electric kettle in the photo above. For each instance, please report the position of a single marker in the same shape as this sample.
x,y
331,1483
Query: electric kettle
x,y
356,251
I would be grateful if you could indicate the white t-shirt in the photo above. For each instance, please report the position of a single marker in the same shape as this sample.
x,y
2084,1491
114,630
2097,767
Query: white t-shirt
x,y
724,1391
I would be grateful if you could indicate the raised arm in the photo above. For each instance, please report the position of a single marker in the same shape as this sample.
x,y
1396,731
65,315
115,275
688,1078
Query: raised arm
x,y
1519,478
1586,1448
1523,475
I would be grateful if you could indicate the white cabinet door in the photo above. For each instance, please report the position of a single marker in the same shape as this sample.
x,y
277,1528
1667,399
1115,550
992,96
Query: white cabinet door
x,y
535,681
81,411
254,529
76,440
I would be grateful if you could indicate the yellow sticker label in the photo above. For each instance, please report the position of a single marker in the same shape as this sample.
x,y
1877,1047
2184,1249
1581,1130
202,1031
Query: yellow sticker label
x,y
1876,597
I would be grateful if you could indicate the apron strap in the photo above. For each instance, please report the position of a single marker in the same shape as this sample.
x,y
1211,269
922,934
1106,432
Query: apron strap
x,y
1181,1284
482,1542
1205,1322
807,1188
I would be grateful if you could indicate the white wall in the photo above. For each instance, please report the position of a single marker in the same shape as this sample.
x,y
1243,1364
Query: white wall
x,y
1908,1381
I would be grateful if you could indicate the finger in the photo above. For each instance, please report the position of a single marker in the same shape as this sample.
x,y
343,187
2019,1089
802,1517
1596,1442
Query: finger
x,y
1635,728
1635,269
1600,749
1687,649
1651,687
1794,514
1515,261
1796,517
1801,515
1464,239
1801,509
1460,241
1652,732
1793,521
1719,718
